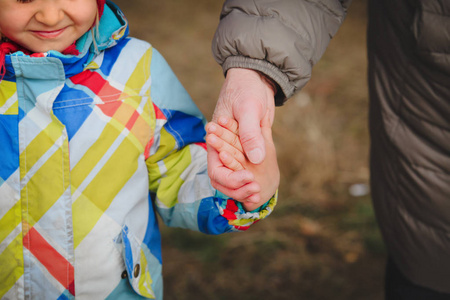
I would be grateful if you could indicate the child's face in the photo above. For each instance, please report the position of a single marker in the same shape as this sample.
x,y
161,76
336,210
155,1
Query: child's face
x,y
43,25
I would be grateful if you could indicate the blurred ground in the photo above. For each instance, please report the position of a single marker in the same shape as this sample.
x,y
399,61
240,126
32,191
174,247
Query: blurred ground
x,y
321,242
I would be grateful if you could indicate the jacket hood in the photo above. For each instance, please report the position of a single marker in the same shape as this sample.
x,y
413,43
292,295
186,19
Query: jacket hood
x,y
101,6
112,28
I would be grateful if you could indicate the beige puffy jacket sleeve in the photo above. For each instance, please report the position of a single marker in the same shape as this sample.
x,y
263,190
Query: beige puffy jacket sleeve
x,y
281,38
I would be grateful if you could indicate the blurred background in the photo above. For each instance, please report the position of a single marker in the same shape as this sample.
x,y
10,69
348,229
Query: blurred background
x,y
322,241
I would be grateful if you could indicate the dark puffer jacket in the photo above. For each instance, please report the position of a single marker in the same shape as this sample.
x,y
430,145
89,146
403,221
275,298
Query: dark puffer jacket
x,y
409,80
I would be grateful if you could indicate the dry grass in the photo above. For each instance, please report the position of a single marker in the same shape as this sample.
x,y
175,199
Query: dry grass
x,y
320,243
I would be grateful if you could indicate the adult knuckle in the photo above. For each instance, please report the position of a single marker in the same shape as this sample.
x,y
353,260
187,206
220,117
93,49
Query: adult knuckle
x,y
249,137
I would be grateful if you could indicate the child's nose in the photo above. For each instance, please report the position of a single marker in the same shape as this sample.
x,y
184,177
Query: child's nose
x,y
49,14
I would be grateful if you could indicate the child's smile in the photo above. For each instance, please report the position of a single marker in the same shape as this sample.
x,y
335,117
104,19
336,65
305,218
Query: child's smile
x,y
49,34
43,25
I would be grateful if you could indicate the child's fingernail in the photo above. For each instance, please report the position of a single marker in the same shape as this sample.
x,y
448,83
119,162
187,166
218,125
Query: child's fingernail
x,y
223,120
212,128
255,156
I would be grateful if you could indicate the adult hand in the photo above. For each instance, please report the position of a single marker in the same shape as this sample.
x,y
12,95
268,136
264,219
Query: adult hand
x,y
246,96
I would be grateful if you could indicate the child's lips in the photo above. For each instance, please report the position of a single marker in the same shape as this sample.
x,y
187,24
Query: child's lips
x,y
49,34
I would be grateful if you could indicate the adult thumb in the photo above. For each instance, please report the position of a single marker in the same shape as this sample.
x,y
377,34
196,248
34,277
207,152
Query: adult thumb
x,y
251,137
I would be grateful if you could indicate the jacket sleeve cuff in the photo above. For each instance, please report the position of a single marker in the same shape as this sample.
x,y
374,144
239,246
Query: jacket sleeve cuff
x,y
286,89
238,217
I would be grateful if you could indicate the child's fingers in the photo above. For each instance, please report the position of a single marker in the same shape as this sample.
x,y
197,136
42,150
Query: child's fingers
x,y
253,199
230,124
239,194
253,204
222,146
225,134
230,162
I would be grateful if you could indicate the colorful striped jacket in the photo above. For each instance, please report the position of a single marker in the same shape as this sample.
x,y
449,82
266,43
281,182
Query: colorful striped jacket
x,y
90,147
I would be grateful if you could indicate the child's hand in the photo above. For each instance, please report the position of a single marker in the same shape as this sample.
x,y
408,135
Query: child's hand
x,y
223,137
